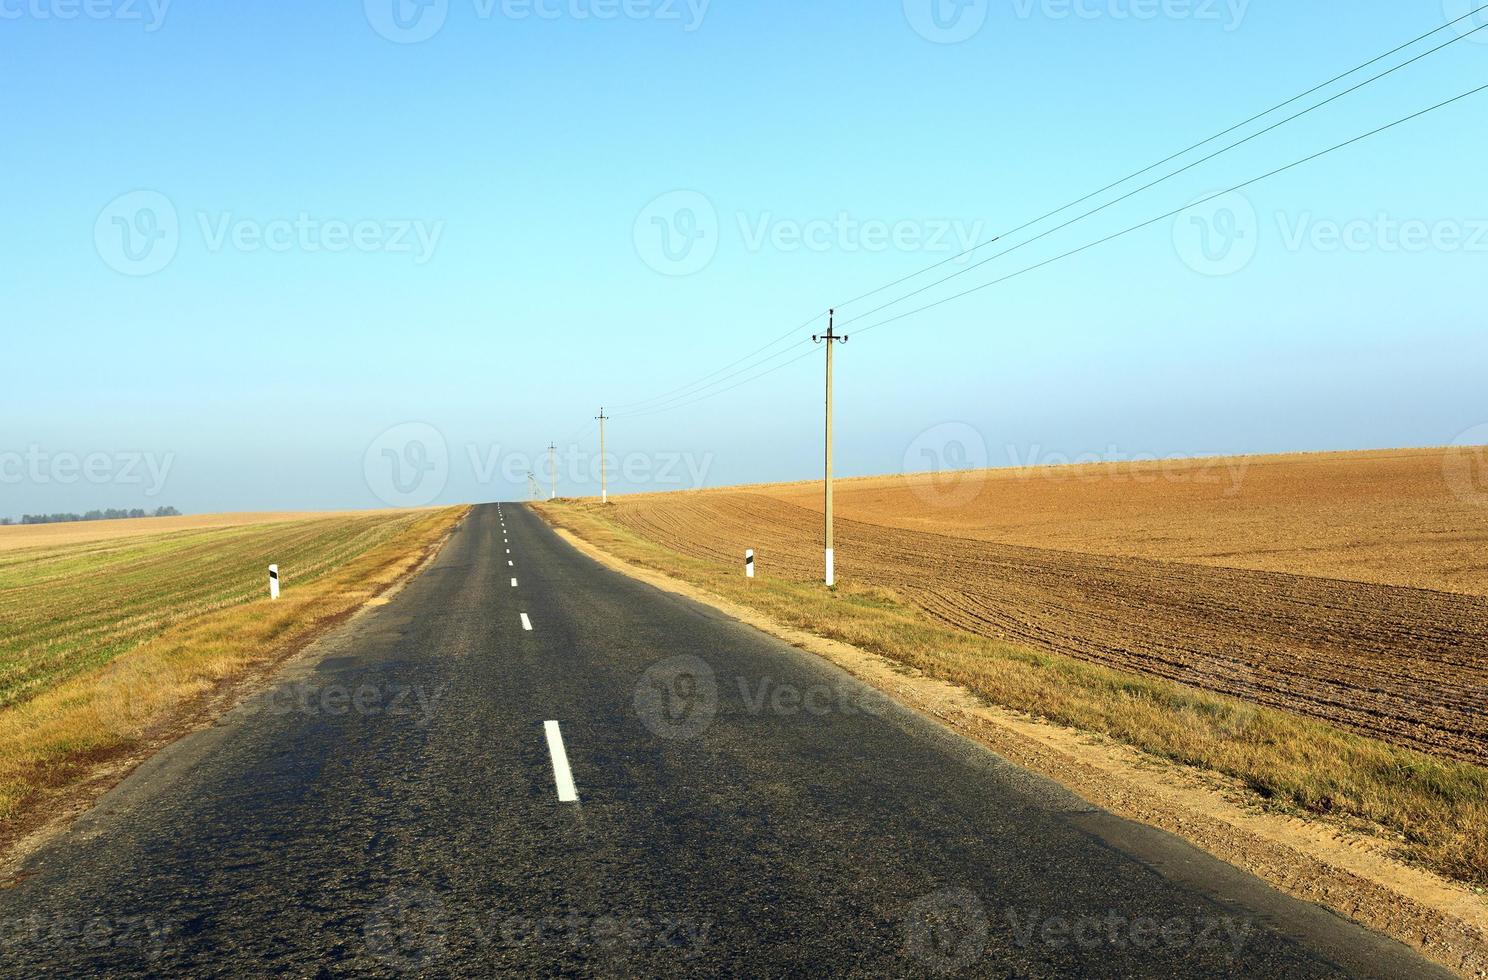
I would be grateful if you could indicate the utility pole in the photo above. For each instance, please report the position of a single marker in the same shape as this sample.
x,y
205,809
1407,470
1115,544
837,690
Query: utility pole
x,y
830,338
553,470
604,476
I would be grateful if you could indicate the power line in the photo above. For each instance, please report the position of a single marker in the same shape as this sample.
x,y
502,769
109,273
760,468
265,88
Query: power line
x,y
1168,159
1177,211
697,391
1083,248
715,394
698,384
683,388
1149,186
667,403
581,431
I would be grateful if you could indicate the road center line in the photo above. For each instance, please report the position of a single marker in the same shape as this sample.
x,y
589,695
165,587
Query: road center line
x,y
514,583
526,623
562,776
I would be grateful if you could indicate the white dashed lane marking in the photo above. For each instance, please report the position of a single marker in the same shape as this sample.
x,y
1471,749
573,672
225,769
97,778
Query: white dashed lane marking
x,y
562,775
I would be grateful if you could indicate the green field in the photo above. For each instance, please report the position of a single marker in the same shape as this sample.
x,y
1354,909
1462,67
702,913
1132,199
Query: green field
x,y
113,640
70,609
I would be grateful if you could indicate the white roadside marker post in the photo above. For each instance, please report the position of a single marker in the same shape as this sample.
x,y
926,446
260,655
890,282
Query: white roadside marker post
x,y
273,582
749,563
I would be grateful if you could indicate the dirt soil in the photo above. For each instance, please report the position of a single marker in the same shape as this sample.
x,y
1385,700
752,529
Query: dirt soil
x,y
1350,872
1352,588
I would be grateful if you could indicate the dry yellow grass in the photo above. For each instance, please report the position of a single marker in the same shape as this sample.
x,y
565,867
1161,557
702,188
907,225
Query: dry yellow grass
x,y
1310,608
1327,862
1108,666
80,729
74,604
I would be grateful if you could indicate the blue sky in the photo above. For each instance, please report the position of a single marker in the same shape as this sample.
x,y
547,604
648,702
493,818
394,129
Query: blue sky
x,y
450,249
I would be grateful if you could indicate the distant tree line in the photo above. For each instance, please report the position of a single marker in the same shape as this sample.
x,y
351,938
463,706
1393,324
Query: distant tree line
x,y
92,515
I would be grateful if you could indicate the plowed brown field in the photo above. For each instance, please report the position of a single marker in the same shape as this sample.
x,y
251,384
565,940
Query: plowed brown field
x,y
1348,587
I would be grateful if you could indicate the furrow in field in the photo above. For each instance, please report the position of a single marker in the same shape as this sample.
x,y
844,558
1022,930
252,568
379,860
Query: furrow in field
x,y
1405,664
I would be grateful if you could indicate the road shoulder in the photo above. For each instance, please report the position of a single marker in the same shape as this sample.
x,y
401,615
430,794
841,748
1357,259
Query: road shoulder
x,y
1349,873
76,797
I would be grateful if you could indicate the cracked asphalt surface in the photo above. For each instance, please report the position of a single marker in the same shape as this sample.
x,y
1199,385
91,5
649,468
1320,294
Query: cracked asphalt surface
x,y
389,808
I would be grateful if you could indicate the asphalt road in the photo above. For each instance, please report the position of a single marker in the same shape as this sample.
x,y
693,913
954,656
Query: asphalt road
x,y
743,809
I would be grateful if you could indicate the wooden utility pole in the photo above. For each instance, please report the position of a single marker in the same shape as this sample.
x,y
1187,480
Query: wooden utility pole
x,y
553,470
604,476
830,338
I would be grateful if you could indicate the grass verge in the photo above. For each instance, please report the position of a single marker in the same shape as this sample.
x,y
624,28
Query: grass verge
x,y
1436,809
116,646
71,608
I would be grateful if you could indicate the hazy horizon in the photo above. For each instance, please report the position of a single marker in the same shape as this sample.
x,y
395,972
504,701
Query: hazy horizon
x,y
335,288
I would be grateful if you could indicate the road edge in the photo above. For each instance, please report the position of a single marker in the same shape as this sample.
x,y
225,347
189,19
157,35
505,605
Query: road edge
x,y
1346,873
201,713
